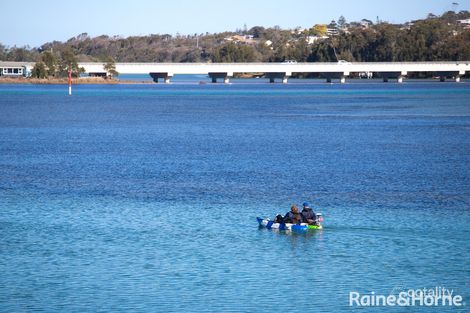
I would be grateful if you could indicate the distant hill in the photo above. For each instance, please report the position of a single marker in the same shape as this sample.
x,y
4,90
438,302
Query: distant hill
x,y
445,37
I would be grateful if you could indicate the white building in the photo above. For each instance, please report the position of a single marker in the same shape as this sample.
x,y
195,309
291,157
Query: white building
x,y
465,23
312,39
15,69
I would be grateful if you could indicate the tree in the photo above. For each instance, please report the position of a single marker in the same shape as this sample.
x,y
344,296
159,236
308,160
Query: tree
x,y
39,70
21,54
333,25
387,43
233,53
110,67
319,30
50,61
257,31
3,52
68,61
191,56
341,22
322,52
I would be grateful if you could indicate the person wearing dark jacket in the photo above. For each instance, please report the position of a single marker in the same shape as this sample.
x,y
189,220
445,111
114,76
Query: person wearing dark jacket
x,y
293,216
279,219
308,215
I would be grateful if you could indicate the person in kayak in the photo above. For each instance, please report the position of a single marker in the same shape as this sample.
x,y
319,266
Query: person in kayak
x,y
279,219
293,216
308,215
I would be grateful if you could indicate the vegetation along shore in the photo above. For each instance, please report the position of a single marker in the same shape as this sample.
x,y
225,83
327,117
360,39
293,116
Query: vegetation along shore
x,y
64,81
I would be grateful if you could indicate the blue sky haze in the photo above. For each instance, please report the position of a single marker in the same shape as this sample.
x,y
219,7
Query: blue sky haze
x,y
36,22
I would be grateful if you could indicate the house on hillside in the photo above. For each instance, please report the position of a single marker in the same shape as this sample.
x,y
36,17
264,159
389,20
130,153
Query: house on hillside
x,y
407,26
298,31
332,29
244,39
465,23
365,23
313,39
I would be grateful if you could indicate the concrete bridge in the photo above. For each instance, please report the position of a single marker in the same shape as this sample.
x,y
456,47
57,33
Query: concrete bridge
x,y
282,71
273,71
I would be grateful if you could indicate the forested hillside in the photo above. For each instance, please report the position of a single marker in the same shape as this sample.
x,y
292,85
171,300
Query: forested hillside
x,y
445,37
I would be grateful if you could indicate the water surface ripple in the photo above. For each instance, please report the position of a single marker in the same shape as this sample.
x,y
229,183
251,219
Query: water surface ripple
x,y
144,197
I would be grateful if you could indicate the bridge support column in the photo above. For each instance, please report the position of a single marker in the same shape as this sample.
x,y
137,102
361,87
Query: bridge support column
x,y
225,76
335,75
398,75
283,76
395,75
165,76
443,75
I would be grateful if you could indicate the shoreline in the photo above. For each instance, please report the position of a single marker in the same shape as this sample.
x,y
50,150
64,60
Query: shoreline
x,y
64,81
101,81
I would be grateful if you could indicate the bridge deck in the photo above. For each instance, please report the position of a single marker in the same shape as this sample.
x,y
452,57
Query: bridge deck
x,y
277,70
230,68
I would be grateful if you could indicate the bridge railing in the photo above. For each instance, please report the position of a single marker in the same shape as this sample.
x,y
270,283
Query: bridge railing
x,y
280,63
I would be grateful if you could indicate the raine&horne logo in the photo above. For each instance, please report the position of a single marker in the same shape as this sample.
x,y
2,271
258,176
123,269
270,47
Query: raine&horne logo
x,y
399,296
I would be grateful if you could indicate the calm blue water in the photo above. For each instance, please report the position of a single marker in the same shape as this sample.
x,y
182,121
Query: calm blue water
x,y
144,197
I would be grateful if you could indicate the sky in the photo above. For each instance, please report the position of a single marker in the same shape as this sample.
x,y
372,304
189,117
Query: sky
x,y
35,22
